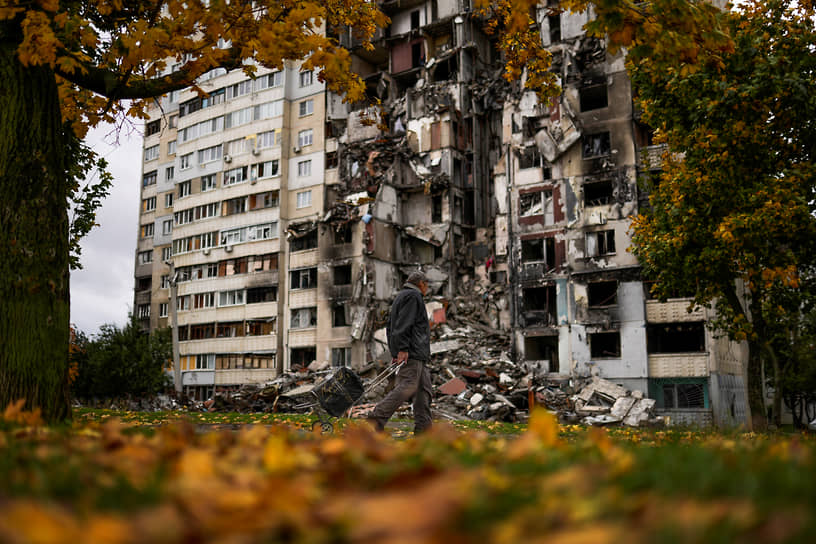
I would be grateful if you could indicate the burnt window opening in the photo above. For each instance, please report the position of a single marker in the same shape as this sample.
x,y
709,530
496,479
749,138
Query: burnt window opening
x,y
342,235
307,241
604,345
537,203
554,22
540,250
303,318
339,316
600,243
531,157
542,348
499,277
539,305
457,209
593,97
256,295
305,278
445,70
414,19
417,58
675,338
331,160
599,193
417,251
602,293
342,274
144,284
436,209
596,145
529,126
341,357
438,254
301,357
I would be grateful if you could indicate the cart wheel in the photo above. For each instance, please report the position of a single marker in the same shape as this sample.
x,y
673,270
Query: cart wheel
x,y
324,426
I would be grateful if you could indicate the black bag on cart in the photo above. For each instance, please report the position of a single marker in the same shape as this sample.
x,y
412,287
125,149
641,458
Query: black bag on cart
x,y
340,391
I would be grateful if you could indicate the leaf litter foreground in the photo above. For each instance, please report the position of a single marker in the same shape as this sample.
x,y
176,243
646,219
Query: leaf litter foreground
x,y
105,483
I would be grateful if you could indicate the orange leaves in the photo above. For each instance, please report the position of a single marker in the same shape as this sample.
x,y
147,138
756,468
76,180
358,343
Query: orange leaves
x,y
14,413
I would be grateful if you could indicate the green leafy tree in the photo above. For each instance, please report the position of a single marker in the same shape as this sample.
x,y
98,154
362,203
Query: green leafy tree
x,y
732,215
121,362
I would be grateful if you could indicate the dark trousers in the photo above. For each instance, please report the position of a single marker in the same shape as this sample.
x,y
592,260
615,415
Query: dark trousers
x,y
413,380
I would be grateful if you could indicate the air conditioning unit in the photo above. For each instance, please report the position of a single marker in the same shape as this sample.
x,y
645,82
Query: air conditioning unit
x,y
205,251
227,158
256,152
296,149
228,249
253,181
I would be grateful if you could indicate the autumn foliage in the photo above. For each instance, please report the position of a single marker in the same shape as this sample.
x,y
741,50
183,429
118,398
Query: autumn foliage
x,y
110,483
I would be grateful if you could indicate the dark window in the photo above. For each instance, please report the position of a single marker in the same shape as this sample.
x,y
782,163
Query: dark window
x,y
342,274
301,357
414,19
331,160
339,316
603,293
604,344
596,145
153,127
260,327
307,241
342,235
675,337
190,106
436,210
201,332
230,329
539,250
683,395
542,348
303,279
539,306
598,193
531,158
235,205
555,27
150,178
416,55
600,243
593,97
255,295
341,357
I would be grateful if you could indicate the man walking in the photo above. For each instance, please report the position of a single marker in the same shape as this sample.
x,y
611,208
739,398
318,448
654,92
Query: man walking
x,y
409,340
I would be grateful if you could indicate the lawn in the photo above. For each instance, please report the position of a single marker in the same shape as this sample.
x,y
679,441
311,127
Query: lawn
x,y
117,477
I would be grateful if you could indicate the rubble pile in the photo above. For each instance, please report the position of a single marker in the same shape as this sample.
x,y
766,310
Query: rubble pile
x,y
473,377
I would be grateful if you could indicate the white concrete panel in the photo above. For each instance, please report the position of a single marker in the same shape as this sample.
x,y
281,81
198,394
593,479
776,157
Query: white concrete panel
x,y
198,377
630,301
678,365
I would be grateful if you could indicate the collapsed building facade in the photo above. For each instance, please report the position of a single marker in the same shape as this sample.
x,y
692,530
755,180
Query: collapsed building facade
x,y
458,174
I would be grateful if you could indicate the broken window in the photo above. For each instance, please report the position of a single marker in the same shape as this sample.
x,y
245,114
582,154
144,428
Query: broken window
x,y
499,277
599,193
260,327
417,58
414,19
436,209
302,357
305,278
600,243
331,160
303,318
342,274
675,337
342,235
256,295
339,316
604,344
596,145
341,356
307,241
531,157
593,97
539,250
602,293
539,306
537,203
262,263
153,127
143,311
542,348
679,394
554,22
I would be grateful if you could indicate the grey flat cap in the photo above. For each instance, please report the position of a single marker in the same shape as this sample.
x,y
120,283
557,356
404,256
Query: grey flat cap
x,y
416,278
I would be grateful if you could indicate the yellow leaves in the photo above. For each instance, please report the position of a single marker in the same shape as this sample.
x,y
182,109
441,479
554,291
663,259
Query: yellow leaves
x,y
14,413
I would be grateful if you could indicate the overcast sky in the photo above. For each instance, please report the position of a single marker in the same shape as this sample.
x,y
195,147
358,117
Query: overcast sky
x,y
102,292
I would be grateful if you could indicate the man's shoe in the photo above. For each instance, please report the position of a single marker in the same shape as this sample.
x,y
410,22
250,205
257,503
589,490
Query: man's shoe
x,y
376,424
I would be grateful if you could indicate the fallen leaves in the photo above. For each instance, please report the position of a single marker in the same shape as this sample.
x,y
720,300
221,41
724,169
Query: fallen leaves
x,y
109,482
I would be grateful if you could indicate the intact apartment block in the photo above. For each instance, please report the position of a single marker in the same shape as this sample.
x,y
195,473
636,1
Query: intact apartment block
x,y
292,219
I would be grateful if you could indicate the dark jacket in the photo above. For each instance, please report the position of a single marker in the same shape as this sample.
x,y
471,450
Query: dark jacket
x,y
408,328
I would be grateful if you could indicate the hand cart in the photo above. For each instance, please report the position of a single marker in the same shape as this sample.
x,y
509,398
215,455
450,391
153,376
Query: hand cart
x,y
339,392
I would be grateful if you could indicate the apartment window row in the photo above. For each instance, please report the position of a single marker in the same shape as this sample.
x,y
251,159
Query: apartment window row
x,y
229,120
228,329
200,301
210,126
149,204
198,213
218,96
229,267
197,241
145,257
264,140
231,361
264,231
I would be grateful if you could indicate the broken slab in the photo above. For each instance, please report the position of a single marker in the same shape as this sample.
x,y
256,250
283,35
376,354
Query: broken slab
x,y
640,412
444,346
452,387
622,406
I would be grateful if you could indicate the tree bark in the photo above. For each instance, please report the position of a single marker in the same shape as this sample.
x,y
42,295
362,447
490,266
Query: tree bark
x,y
35,152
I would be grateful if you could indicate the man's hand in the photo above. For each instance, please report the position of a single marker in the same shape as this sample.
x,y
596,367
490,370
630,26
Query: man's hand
x,y
402,356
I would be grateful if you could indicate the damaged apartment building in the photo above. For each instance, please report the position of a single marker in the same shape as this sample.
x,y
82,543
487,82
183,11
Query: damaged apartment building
x,y
292,218
579,306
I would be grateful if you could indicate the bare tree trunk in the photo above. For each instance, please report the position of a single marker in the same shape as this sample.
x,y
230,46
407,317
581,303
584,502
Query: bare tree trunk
x,y
35,151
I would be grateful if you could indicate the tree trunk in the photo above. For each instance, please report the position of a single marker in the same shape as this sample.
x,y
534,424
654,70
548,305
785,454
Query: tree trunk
x,y
756,392
35,153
